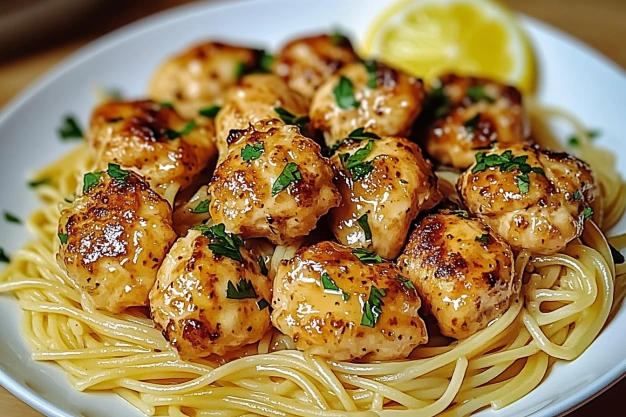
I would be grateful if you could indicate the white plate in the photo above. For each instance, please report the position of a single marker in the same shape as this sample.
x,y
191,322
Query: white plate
x,y
572,76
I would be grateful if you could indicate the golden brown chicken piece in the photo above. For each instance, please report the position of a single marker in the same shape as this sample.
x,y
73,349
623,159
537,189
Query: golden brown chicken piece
x,y
305,63
152,139
255,98
384,183
210,296
114,238
536,200
274,183
336,306
370,95
462,271
473,114
199,77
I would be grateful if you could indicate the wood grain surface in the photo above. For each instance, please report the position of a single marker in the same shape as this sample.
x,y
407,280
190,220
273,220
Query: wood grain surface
x,y
600,23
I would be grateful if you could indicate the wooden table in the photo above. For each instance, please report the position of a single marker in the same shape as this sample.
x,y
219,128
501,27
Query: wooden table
x,y
600,23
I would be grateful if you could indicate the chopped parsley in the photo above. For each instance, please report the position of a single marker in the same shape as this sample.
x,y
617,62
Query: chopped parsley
x,y
70,129
356,135
405,282
588,212
438,102
11,218
91,179
372,309
574,140
618,258
578,195
210,111
241,69
266,61
507,162
262,304
202,207
484,238
472,123
477,93
372,73
461,213
329,285
37,183
3,256
362,221
291,119
344,93
172,134
117,173
290,175
367,256
243,289
223,244
252,152
62,237
338,38
166,104
262,265
354,163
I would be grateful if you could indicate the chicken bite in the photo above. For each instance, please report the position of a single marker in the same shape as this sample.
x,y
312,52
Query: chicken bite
x,y
473,114
210,296
274,183
152,139
199,77
114,238
344,304
536,200
255,98
371,95
384,183
305,63
463,272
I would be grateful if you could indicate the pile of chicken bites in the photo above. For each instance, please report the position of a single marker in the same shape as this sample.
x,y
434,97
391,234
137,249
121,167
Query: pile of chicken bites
x,y
238,154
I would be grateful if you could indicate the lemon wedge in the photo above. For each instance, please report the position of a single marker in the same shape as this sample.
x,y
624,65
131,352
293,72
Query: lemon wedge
x,y
471,37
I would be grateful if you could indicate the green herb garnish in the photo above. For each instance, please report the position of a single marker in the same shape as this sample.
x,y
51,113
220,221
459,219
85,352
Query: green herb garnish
x,y
11,218
244,289
477,93
262,265
354,163
578,195
172,134
472,123
438,102
210,111
252,152
62,237
405,282
372,73
328,283
70,129
372,309
37,183
202,207
356,135
461,213
266,61
241,69
90,179
117,173
367,256
575,140
115,119
362,221
338,38
484,238
588,212
507,162
166,104
262,304
618,258
224,244
290,175
291,119
3,256
344,93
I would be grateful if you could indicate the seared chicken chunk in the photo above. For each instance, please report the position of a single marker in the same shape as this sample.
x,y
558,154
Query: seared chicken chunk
x,y
378,207
473,114
370,95
305,63
199,77
536,200
274,183
114,238
255,98
338,307
206,302
152,139
462,271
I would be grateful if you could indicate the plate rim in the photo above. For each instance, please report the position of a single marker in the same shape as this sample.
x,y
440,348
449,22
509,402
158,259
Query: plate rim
x,y
181,12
